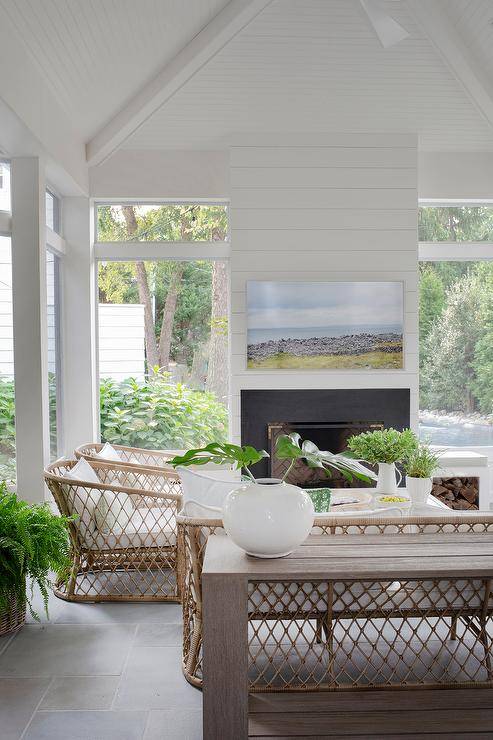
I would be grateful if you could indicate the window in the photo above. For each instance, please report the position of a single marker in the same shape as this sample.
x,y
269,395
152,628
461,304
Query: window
x,y
54,353
163,333
455,224
5,186
175,222
52,203
456,329
7,398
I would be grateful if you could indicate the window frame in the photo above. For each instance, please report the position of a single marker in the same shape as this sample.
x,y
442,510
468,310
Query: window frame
x,y
456,252
152,251
58,319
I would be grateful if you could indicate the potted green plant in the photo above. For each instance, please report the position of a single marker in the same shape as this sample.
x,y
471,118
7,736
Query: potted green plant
x,y
33,544
383,447
419,466
270,518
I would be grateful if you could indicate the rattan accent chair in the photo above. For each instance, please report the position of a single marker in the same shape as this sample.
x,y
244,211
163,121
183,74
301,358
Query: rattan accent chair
x,y
131,456
123,537
280,616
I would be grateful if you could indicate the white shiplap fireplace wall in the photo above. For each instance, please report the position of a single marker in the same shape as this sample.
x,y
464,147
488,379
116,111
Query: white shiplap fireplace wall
x,y
341,207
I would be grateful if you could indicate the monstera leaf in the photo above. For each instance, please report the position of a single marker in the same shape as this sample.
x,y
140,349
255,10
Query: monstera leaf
x,y
221,453
291,447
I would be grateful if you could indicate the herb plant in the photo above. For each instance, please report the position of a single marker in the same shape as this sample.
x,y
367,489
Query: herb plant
x,y
383,445
33,544
421,462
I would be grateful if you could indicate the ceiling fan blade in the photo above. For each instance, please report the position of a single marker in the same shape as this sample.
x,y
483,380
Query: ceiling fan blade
x,y
388,31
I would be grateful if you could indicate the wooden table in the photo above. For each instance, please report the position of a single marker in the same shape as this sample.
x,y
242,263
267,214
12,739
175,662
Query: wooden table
x,y
228,571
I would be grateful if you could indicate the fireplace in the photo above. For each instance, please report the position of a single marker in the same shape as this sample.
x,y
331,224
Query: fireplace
x,y
331,436
326,417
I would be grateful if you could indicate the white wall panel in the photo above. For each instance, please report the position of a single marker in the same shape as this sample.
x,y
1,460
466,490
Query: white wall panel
x,y
351,214
121,340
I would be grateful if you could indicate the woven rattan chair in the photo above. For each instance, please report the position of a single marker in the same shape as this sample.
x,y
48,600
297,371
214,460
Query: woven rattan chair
x,y
274,604
123,537
131,456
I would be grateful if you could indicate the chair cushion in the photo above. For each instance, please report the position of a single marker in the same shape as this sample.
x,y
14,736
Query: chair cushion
x,y
154,527
208,487
108,452
81,500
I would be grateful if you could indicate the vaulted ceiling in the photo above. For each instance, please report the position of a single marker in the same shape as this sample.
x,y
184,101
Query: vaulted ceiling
x,y
294,66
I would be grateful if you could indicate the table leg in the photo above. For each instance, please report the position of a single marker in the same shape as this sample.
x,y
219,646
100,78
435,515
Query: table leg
x,y
225,657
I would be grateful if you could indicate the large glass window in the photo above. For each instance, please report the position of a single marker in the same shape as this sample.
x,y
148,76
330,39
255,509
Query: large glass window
x,y
7,398
54,351
52,205
155,222
163,353
456,333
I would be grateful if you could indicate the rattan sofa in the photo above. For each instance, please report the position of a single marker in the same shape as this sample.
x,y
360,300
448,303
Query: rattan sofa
x,y
290,628
131,456
125,550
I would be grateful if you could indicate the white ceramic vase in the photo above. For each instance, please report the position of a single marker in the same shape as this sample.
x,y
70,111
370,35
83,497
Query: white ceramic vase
x,y
268,521
418,489
387,481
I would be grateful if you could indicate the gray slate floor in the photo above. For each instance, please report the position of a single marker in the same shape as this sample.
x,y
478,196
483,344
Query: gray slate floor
x,y
98,672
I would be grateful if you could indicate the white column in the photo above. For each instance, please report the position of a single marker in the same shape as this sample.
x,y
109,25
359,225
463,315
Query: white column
x,y
80,414
30,325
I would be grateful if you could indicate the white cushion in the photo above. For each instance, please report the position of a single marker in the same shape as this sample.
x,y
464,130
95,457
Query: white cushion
x,y
107,452
154,527
83,501
208,487
113,512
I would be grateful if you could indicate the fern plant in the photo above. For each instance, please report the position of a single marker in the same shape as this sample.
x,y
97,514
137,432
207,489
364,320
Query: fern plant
x,y
33,544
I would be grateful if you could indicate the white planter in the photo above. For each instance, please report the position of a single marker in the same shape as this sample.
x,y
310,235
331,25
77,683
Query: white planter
x,y
387,482
268,521
418,489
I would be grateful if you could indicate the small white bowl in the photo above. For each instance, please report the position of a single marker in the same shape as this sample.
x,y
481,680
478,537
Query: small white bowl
x,y
383,500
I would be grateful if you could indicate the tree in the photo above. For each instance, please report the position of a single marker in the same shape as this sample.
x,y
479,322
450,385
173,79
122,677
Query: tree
x,y
431,303
448,374
217,372
463,223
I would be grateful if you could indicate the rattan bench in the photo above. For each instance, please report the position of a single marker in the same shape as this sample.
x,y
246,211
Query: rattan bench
x,y
279,610
131,554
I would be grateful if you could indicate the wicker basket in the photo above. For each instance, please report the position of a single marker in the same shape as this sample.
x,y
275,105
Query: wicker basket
x,y
12,618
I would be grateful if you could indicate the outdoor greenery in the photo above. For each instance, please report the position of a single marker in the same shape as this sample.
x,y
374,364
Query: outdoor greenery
x,y
456,315
383,445
33,544
159,414
421,462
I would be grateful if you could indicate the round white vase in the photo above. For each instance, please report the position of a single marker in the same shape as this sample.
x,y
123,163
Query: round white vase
x,y
386,481
268,521
418,489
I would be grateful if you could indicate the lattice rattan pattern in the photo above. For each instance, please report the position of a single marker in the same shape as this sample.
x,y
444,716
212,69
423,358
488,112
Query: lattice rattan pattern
x,y
123,536
193,535
350,634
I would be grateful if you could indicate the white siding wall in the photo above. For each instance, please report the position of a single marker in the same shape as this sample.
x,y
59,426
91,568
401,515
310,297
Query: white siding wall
x,y
340,209
121,340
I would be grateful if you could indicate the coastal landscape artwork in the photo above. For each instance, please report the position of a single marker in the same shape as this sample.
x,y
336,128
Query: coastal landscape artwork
x,y
325,325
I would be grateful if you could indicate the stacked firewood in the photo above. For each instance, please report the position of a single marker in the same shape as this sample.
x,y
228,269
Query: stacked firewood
x,y
457,493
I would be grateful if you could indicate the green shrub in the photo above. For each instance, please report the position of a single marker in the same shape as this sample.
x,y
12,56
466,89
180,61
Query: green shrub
x,y
155,414
160,414
33,544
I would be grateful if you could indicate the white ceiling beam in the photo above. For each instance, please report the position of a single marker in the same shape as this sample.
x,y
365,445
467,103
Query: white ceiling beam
x,y
201,49
438,27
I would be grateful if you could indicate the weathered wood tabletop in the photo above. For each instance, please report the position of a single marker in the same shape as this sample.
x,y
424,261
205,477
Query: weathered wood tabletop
x,y
228,570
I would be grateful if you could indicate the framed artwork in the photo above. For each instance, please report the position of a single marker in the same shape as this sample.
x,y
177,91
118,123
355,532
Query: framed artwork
x,y
325,325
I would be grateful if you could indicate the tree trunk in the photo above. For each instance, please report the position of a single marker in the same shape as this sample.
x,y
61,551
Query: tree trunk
x,y
217,371
145,297
169,316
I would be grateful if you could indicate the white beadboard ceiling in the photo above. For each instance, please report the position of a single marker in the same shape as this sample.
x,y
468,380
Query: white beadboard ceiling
x,y
299,66
96,54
